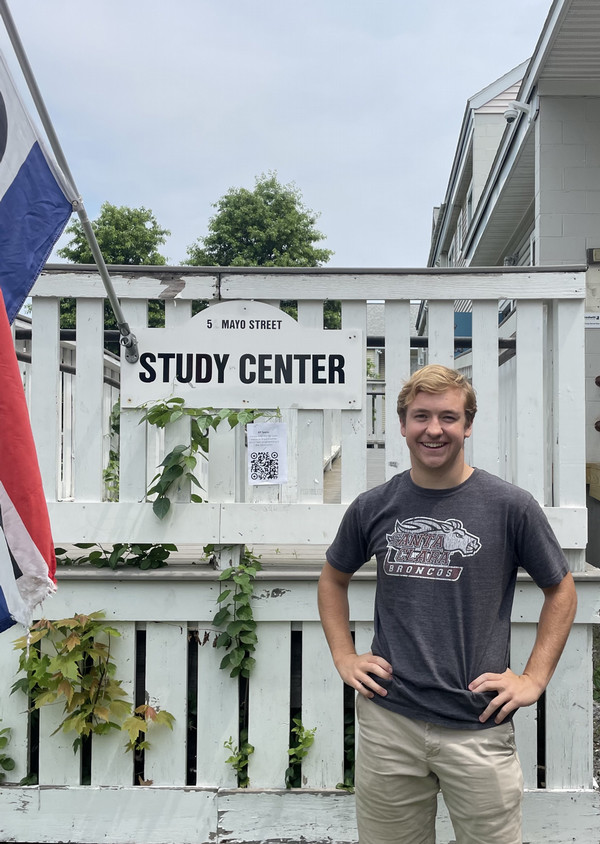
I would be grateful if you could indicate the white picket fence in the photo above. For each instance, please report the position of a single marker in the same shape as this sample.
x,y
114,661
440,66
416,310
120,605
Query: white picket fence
x,y
530,428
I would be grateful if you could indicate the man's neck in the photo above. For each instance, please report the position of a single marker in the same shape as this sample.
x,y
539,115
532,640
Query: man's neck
x,y
445,480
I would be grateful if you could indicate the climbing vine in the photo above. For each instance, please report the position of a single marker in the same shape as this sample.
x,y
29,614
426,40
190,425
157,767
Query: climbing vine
x,y
302,740
142,555
236,616
180,463
239,758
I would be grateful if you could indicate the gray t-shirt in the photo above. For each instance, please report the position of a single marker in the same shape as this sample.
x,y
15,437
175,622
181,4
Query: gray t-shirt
x,y
447,563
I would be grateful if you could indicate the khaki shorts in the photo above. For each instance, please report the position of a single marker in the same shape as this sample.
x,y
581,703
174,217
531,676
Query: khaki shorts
x,y
402,764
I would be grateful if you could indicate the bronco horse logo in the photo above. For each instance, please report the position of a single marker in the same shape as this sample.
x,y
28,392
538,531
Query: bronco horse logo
x,y
423,547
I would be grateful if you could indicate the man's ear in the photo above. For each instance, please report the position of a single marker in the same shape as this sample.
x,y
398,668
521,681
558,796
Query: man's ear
x,y
402,428
468,430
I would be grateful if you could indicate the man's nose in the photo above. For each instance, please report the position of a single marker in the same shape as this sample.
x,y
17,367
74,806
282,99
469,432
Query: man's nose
x,y
434,427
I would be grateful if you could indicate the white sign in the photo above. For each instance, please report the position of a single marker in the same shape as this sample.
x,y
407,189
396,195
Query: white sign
x,y
246,354
267,453
592,320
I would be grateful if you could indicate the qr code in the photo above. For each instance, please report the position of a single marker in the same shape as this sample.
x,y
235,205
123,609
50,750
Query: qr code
x,y
264,465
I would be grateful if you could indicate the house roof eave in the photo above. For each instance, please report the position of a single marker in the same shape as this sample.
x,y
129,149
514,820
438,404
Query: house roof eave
x,y
461,156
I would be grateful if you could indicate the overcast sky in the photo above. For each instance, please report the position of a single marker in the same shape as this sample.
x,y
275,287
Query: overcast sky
x,y
358,102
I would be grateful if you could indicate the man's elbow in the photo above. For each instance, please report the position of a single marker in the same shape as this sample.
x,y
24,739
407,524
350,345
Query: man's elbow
x,y
564,597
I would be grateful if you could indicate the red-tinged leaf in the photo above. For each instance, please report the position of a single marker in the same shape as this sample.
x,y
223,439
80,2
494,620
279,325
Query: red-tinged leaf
x,y
66,689
72,641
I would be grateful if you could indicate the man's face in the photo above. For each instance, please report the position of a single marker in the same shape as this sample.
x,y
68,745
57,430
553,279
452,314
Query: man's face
x,y
435,430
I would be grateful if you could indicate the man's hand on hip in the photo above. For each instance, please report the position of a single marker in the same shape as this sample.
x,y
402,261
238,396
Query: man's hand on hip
x,y
356,670
513,691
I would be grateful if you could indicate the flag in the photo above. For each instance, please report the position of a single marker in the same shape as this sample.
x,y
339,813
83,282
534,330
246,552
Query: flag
x,y
27,561
34,199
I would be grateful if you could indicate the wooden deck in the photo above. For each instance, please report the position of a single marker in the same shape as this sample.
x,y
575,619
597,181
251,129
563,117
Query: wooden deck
x,y
332,477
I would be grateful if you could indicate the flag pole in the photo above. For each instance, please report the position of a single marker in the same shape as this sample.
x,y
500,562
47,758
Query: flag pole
x,y
127,339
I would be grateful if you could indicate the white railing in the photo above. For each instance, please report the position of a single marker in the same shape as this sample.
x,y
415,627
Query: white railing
x,y
539,445
547,389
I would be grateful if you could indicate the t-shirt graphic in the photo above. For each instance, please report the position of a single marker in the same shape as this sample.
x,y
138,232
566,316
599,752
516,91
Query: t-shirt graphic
x,y
423,547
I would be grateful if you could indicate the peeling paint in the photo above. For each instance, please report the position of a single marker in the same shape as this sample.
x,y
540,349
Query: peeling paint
x,y
272,593
173,288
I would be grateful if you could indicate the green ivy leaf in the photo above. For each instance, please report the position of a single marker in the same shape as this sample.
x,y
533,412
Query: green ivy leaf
x,y
248,638
221,617
235,627
223,640
244,613
161,507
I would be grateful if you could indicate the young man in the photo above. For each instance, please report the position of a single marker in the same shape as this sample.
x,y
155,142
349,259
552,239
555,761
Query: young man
x,y
436,695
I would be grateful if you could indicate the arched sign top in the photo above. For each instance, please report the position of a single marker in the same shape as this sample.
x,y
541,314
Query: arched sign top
x,y
245,315
247,354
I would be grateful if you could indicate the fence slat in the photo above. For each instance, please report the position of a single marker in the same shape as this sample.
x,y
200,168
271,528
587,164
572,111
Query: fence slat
x,y
310,456
270,693
166,688
288,492
133,445
363,638
217,714
66,473
397,371
440,329
88,434
354,426
569,715
530,448
13,707
310,425
525,720
225,460
323,708
485,380
133,440
178,314
111,764
58,764
569,398
44,407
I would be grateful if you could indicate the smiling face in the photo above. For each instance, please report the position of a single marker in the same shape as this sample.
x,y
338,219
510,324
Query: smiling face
x,y
435,429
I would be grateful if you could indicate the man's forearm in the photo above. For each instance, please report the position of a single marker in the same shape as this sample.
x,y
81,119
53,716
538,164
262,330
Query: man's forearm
x,y
360,671
335,614
515,690
556,618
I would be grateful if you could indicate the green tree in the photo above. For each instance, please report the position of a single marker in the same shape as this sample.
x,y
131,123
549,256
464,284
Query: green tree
x,y
265,227
125,236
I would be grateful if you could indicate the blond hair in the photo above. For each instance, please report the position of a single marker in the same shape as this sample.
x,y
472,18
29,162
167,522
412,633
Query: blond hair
x,y
435,378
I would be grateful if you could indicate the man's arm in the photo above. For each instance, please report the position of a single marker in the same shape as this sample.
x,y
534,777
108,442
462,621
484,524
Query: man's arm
x,y
514,690
354,669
